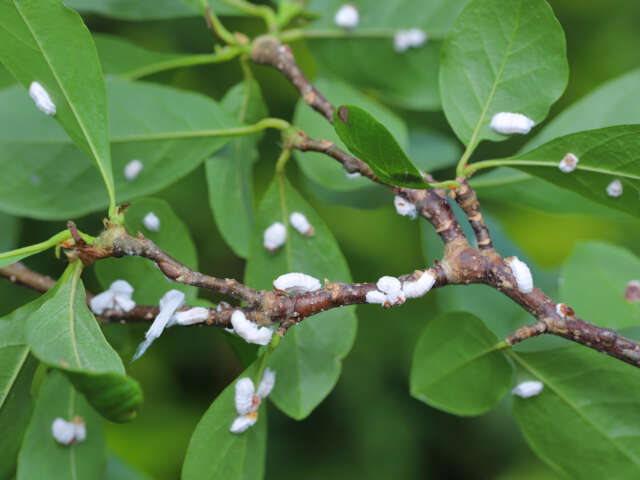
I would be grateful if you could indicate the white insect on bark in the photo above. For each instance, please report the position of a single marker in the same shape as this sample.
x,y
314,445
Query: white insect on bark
x,y
132,170
347,16
528,389
151,222
392,287
169,304
615,189
301,224
247,400
508,123
192,316
522,274
405,39
568,163
405,208
296,283
352,175
274,236
42,99
117,297
249,331
377,297
420,286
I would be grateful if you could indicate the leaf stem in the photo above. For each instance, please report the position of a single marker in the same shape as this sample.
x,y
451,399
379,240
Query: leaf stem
x,y
39,247
298,34
267,13
445,184
282,161
275,340
216,25
222,55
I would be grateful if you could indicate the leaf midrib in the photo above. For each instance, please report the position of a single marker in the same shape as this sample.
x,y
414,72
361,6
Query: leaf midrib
x,y
14,375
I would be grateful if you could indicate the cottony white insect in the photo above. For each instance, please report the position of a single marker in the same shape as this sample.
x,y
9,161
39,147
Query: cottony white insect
x,y
568,163
375,296
614,189
405,39
66,433
405,208
297,283
420,286
132,170
249,330
301,224
247,402
521,272
42,99
563,310
508,123
275,236
392,287
151,222
117,297
353,175
189,317
169,303
347,16
528,389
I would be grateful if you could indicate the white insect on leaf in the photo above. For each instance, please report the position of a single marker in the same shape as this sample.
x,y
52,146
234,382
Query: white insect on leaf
x,y
347,16
419,287
169,304
80,428
117,297
275,236
392,288
42,99
296,283
568,163
615,189
508,123
405,39
132,170
247,400
528,389
151,222
522,274
249,331
405,208
68,433
301,224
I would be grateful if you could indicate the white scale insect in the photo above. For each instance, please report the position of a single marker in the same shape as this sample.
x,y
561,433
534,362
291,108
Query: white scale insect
x,y
528,389
522,274
247,400
42,99
274,236
347,16
508,123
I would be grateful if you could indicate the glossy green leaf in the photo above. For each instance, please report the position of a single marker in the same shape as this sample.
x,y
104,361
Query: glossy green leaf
x,y
585,422
501,57
617,102
170,131
318,167
236,456
144,10
79,349
605,155
230,172
431,150
41,456
594,282
43,41
308,359
147,280
369,140
117,469
456,366
9,231
408,79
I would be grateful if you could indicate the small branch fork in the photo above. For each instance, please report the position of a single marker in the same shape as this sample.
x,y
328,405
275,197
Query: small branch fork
x,y
461,263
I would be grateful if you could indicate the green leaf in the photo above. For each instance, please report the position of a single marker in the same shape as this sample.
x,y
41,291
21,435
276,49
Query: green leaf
x,y
147,280
79,349
501,57
605,155
594,282
615,103
318,167
142,10
408,79
369,140
9,231
41,456
308,359
12,256
237,456
170,131
431,150
230,172
456,366
117,469
43,41
584,423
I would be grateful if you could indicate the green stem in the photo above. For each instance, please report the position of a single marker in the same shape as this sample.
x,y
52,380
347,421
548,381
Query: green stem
x,y
282,161
275,340
445,184
215,23
267,14
298,34
222,55
263,124
49,243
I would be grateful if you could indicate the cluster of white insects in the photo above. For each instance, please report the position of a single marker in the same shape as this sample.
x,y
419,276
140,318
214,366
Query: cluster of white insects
x,y
275,235
248,399
68,433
